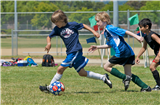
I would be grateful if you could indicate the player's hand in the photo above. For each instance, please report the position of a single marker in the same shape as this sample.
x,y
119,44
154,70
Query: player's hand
x,y
48,47
140,39
96,34
92,49
137,60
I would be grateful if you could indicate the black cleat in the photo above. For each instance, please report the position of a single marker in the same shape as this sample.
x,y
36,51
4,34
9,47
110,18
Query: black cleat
x,y
156,88
44,89
127,82
146,89
107,81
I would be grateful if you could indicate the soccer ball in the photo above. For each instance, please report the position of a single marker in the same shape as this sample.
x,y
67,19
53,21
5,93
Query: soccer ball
x,y
57,88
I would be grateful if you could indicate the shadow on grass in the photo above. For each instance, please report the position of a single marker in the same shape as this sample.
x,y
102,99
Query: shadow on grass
x,y
98,92
129,91
94,92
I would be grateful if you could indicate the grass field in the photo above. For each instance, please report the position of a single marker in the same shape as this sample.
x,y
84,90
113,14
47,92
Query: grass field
x,y
19,86
40,41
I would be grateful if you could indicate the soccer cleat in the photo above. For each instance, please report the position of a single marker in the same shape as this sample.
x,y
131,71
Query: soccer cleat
x,y
126,82
156,88
146,89
44,89
107,81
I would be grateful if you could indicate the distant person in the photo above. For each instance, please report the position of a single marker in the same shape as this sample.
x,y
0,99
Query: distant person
x,y
68,31
124,55
153,40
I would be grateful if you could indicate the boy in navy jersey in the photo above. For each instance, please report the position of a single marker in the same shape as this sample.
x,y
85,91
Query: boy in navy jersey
x,y
153,40
124,55
68,31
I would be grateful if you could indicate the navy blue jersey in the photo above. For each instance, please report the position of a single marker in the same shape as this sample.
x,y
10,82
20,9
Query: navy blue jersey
x,y
114,36
69,35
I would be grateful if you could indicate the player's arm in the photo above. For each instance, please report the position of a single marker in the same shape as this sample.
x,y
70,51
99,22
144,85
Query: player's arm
x,y
139,38
156,38
48,46
93,31
143,49
93,47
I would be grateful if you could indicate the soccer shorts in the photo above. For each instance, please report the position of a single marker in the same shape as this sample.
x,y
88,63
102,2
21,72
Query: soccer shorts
x,y
75,60
122,61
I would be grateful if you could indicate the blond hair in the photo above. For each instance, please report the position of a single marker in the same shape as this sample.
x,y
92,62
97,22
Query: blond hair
x,y
59,15
104,17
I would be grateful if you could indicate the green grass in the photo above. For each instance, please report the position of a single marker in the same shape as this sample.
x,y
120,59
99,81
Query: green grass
x,y
19,86
40,42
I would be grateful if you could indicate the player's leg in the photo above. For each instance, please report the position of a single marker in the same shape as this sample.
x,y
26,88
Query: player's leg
x,y
155,74
68,62
93,75
56,77
80,62
140,83
65,64
109,68
127,70
59,74
135,79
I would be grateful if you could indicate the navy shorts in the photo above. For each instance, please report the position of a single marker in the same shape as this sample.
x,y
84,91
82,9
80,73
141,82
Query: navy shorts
x,y
122,61
75,60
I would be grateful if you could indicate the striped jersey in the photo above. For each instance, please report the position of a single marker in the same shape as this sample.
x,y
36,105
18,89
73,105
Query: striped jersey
x,y
114,38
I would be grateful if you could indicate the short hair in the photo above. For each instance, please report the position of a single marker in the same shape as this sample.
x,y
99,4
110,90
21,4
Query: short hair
x,y
144,22
59,15
103,16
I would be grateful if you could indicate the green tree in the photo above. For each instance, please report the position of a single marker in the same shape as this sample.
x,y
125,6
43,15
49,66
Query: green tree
x,y
136,4
26,6
43,20
78,5
7,6
154,16
22,6
64,6
122,15
81,17
108,6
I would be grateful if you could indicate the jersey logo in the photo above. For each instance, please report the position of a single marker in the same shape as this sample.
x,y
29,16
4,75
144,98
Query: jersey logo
x,y
66,33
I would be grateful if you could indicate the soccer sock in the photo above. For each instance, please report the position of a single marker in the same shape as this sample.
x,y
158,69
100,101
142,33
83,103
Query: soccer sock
x,y
56,77
93,75
138,81
117,73
156,76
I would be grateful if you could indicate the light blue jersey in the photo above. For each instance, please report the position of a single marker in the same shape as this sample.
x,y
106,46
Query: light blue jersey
x,y
114,38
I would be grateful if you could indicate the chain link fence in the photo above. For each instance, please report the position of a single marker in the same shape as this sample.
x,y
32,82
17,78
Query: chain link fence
x,y
34,27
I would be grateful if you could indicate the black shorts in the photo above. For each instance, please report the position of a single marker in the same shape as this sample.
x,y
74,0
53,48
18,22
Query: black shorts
x,y
122,61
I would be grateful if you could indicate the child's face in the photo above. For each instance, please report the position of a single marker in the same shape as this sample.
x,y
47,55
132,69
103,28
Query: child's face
x,y
144,29
60,24
100,23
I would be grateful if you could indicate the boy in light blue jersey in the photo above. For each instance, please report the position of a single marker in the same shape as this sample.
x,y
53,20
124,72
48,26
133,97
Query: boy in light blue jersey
x,y
68,31
124,54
